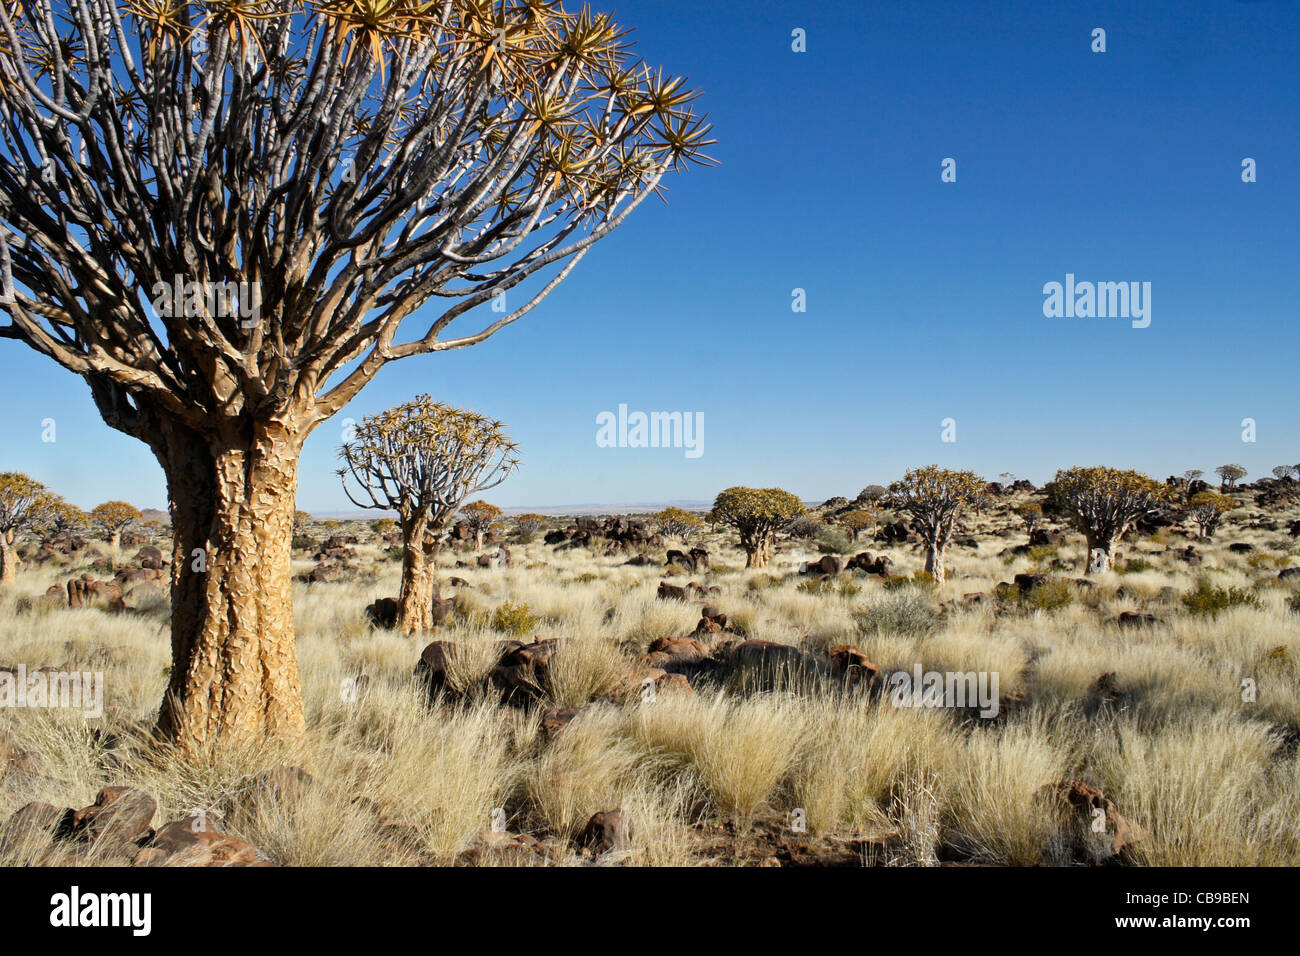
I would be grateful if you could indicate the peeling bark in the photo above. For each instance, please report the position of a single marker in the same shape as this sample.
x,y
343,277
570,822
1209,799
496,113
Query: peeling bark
x,y
8,558
419,553
234,660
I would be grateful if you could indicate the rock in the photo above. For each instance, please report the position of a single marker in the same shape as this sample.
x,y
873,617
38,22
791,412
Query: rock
x,y
382,613
180,843
150,558
557,719
87,592
671,592
1093,830
433,666
1042,538
604,832
118,814
641,560
1136,619
1288,574
1028,582
458,583
33,826
1241,547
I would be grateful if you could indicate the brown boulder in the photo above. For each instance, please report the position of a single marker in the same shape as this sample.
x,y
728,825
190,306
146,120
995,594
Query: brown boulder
x,y
180,843
604,832
118,813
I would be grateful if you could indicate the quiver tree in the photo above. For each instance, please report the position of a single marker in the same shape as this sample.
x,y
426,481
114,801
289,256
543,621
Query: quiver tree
x,y
63,517
1104,503
480,517
1208,508
112,518
935,498
527,526
857,521
421,460
757,514
1031,513
1282,472
678,523
1229,476
25,505
220,216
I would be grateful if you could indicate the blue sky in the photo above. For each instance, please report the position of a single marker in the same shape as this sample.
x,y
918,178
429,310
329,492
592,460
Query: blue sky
x,y
924,298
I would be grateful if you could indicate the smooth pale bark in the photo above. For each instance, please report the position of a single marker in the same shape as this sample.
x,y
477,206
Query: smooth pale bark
x,y
234,658
934,561
1105,542
419,553
115,539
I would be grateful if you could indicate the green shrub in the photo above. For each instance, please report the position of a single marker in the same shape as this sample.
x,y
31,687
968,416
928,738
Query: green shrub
x,y
1048,596
514,618
303,543
814,586
1207,599
833,541
918,579
1135,566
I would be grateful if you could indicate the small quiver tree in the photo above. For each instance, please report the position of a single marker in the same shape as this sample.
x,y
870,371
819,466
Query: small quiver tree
x,y
757,514
1104,503
936,498
481,517
422,459
25,505
112,518
1208,508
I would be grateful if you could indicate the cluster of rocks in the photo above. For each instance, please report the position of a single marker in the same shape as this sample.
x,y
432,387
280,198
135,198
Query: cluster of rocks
x,y
619,532
687,592
62,545
336,560
382,612
695,561
118,829
462,531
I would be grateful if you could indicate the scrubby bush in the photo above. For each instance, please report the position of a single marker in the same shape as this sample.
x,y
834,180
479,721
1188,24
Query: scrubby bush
x,y
514,618
1135,566
833,541
1206,599
905,611
1047,596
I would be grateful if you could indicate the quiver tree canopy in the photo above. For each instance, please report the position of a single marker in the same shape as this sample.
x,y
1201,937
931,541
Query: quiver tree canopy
x,y
1104,503
222,214
757,514
936,498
